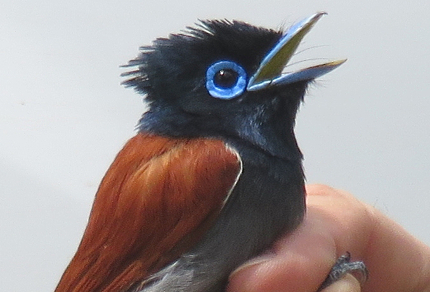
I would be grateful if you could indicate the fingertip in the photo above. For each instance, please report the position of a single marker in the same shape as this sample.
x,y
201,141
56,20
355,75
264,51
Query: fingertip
x,y
291,266
259,274
301,260
253,262
348,283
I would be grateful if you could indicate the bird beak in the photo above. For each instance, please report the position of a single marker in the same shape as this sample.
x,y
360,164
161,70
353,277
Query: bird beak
x,y
269,73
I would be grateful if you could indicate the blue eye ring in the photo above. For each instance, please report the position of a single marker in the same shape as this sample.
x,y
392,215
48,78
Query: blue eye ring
x,y
221,92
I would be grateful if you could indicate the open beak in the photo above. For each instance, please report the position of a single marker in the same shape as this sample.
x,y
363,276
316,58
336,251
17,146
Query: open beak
x,y
269,73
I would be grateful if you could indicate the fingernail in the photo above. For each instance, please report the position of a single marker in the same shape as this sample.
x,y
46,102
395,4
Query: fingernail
x,y
255,261
348,283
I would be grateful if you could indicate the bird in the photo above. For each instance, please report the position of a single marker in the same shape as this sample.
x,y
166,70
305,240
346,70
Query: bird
x,y
214,173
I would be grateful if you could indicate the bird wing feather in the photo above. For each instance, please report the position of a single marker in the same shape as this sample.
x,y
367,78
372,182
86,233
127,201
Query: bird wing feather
x,y
156,201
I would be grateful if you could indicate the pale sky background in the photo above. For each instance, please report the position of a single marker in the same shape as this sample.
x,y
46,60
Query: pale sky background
x,y
364,128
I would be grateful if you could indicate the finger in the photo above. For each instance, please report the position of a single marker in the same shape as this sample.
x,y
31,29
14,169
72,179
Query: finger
x,y
301,260
348,283
298,262
396,260
343,218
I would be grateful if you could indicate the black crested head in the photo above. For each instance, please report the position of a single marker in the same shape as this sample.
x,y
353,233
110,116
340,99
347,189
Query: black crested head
x,y
181,61
224,79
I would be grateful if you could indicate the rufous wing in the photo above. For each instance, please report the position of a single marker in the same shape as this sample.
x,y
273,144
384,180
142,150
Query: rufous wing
x,y
156,200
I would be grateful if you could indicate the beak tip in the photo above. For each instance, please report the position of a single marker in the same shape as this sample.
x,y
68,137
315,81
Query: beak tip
x,y
269,72
318,15
339,62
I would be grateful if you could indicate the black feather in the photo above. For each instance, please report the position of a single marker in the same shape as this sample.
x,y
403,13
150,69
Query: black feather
x,y
171,61
172,75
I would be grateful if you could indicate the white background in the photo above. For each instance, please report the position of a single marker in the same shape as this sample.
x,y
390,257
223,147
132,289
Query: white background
x,y
63,114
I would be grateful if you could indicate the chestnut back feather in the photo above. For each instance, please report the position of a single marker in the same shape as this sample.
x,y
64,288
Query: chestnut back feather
x,y
156,200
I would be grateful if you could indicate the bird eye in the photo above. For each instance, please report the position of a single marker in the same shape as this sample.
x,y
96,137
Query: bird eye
x,y
225,80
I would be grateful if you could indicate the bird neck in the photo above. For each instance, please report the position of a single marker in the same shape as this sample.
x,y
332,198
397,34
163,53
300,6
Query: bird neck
x,y
275,138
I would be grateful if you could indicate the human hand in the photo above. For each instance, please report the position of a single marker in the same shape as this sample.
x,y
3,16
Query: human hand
x,y
335,223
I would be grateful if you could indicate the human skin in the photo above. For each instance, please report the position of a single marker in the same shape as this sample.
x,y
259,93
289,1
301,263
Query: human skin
x,y
336,222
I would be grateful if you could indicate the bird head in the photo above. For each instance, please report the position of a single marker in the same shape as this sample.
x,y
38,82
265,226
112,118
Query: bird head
x,y
226,79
